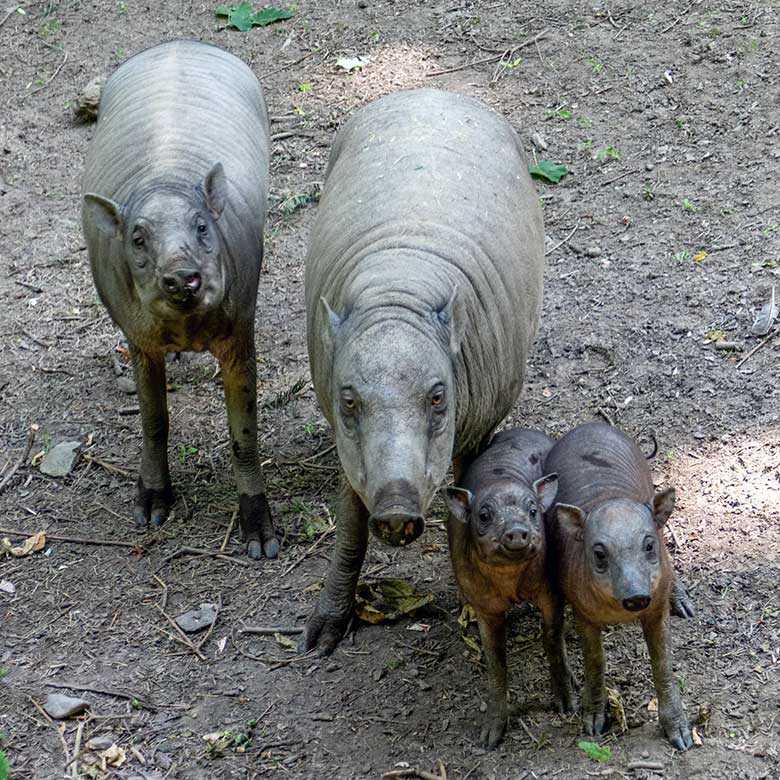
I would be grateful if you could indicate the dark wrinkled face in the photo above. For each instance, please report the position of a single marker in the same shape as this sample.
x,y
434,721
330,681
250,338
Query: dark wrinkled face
x,y
505,523
173,251
394,410
622,548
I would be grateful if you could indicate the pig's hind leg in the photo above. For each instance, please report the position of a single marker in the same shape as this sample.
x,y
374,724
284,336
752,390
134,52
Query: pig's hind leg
x,y
555,650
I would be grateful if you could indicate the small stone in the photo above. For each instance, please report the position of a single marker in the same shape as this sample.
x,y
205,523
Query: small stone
x,y
88,100
424,686
127,385
60,460
649,166
483,706
593,251
7,587
59,706
197,619
101,742
537,139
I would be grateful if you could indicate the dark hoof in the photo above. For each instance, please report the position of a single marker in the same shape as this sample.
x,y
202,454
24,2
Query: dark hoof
x,y
680,603
254,549
493,733
271,547
151,505
323,634
565,704
678,731
594,723
257,526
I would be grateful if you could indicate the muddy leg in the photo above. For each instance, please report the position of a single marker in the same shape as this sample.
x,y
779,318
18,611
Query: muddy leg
x,y
594,699
331,616
555,650
670,710
154,494
239,377
492,630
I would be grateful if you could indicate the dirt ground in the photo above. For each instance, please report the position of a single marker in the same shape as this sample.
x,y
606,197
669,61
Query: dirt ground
x,y
667,118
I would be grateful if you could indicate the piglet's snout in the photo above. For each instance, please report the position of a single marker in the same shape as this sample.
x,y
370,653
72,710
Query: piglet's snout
x,y
182,283
636,603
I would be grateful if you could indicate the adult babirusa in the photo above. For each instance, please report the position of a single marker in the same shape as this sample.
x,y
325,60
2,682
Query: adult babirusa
x,y
423,290
175,192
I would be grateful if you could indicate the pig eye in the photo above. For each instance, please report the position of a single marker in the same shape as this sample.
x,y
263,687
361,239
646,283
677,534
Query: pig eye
x,y
600,554
649,545
438,399
138,240
348,404
202,229
532,512
484,519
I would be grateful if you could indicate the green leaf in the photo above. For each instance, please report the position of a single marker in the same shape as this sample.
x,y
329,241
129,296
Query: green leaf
x,y
223,10
5,766
269,16
595,751
550,171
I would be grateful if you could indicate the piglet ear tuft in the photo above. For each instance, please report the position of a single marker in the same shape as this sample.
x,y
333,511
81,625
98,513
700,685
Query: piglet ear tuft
x,y
546,488
570,517
458,502
663,506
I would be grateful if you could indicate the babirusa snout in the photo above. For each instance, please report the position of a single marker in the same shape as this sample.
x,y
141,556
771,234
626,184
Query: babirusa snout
x,y
397,517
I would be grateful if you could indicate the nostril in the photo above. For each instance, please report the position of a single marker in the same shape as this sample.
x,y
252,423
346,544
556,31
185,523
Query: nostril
x,y
193,281
636,603
524,536
170,283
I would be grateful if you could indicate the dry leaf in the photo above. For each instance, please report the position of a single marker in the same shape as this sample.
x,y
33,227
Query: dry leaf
x,y
766,316
285,641
696,738
616,709
31,545
114,756
698,257
652,705
467,616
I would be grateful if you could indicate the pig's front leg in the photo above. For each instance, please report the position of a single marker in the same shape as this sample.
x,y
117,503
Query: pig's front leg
x,y
332,614
670,709
680,602
555,650
239,377
594,699
154,494
492,630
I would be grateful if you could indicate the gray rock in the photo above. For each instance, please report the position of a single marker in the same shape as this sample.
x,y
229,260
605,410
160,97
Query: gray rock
x,y
61,459
59,706
101,742
197,619
88,100
127,385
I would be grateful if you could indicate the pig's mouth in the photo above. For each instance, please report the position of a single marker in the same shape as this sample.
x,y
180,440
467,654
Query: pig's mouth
x,y
396,526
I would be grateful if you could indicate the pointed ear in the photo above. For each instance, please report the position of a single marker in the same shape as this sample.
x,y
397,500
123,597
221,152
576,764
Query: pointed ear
x,y
663,505
570,517
546,488
215,190
332,324
453,316
105,214
458,502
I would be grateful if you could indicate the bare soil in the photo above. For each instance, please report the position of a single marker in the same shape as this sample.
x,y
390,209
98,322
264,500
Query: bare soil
x,y
667,116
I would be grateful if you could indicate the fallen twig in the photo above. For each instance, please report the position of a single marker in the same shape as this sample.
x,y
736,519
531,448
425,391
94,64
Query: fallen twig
x,y
8,14
528,731
198,551
104,691
288,65
270,630
229,531
71,539
52,77
17,465
211,627
180,636
413,771
164,597
653,765
621,176
564,241
755,349
76,751
605,414
308,552
291,134
496,58
107,466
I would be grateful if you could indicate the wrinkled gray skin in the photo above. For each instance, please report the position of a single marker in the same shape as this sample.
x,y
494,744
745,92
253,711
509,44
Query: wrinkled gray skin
x,y
175,192
497,541
612,563
423,291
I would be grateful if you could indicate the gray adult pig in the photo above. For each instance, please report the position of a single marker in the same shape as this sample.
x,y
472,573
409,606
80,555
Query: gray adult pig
x,y
498,546
612,562
174,204
423,290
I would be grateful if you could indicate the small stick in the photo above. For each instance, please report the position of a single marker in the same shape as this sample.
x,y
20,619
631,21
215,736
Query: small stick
x,y
107,466
654,765
288,65
164,597
33,287
270,630
181,636
8,14
415,772
496,58
74,772
52,77
754,350
565,240
605,414
308,552
104,691
71,539
229,531
722,247
291,134
528,731
617,178
211,627
58,729
17,465
200,551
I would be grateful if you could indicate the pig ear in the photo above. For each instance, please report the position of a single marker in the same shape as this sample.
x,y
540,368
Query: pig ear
x,y
663,504
331,326
453,316
571,517
546,488
106,215
215,190
458,502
